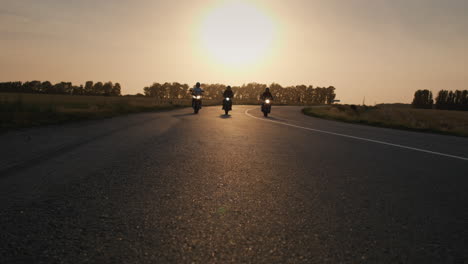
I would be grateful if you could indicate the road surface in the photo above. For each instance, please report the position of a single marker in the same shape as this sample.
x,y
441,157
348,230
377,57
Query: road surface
x,y
173,187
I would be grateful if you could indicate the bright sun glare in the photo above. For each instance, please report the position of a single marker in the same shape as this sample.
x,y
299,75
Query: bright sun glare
x,y
237,33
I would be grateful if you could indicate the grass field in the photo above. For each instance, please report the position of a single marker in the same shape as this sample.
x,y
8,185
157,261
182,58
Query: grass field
x,y
397,116
26,110
18,110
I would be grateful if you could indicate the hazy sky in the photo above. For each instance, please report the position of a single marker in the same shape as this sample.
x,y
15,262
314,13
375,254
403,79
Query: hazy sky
x,y
381,49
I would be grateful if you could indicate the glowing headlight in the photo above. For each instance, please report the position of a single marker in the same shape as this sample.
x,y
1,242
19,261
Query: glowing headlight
x,y
227,99
198,97
267,101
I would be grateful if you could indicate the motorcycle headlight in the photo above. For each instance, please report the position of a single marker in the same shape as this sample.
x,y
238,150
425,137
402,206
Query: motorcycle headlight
x,y
198,97
227,99
267,101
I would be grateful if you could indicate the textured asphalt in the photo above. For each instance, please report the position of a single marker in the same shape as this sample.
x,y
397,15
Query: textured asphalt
x,y
173,187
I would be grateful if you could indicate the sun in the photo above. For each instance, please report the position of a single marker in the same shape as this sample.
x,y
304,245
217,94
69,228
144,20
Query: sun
x,y
237,33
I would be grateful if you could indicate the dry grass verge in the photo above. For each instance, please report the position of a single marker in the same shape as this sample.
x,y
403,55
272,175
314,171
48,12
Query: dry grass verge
x,y
27,110
397,116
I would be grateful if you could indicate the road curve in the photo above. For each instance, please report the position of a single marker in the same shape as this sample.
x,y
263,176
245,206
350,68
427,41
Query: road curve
x,y
173,187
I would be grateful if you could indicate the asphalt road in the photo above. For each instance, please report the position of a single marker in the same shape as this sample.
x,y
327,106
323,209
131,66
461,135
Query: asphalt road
x,y
173,187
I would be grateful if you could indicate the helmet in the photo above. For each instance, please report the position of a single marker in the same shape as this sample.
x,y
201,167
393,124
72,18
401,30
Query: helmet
x,y
198,84
267,89
228,87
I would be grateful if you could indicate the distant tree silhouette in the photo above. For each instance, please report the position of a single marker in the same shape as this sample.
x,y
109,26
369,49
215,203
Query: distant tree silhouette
x,y
78,90
31,87
116,90
107,89
449,100
89,88
98,88
299,94
330,94
68,88
441,99
423,99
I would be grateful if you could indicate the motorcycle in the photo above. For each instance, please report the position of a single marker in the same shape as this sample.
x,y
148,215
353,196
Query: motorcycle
x,y
227,105
196,103
266,107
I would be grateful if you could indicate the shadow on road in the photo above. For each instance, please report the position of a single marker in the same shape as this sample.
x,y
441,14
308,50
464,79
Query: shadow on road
x,y
225,116
182,115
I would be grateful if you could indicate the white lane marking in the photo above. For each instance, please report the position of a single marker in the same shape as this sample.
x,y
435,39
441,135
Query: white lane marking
x,y
358,138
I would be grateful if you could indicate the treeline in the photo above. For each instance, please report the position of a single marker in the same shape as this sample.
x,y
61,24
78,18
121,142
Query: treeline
x,y
299,94
445,100
449,100
90,88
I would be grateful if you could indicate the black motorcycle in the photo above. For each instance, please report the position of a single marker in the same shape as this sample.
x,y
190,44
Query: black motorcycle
x,y
196,103
266,107
227,105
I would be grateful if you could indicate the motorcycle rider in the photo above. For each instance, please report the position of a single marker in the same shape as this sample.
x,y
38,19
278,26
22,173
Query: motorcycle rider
x,y
266,94
228,93
197,90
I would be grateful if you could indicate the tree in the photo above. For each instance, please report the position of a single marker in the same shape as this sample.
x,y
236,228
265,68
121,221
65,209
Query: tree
x,y
442,99
98,88
46,87
464,100
330,95
78,90
423,99
116,90
89,88
107,89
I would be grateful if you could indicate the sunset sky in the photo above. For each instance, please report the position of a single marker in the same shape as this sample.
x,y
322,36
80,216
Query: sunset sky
x,y
381,49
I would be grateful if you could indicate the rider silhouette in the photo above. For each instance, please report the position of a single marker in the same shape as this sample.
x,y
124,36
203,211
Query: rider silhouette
x,y
228,92
266,95
197,90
